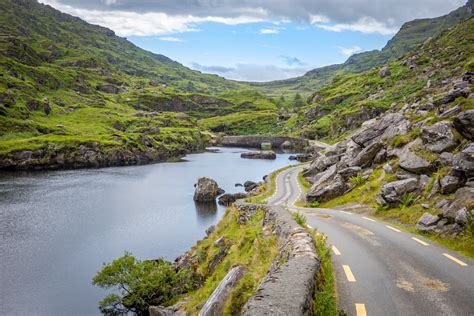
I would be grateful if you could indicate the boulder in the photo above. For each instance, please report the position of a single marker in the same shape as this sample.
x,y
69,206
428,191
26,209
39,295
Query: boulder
x,y
463,162
411,162
392,192
388,168
462,198
326,190
449,184
250,185
229,198
320,164
461,216
450,112
301,157
267,154
384,72
427,222
206,190
464,124
367,155
349,172
445,159
387,127
438,137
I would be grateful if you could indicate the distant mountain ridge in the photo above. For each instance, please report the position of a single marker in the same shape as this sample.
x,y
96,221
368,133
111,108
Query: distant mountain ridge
x,y
411,35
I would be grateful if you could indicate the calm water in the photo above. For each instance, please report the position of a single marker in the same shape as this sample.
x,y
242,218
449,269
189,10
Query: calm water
x,y
57,228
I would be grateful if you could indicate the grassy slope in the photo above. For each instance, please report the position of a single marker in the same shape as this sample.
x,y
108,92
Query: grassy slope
x,y
411,35
94,86
249,246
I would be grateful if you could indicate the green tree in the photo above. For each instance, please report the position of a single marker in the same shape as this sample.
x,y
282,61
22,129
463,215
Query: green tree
x,y
298,101
136,284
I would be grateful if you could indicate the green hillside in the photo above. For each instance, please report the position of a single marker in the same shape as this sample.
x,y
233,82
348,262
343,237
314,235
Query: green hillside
x,y
411,35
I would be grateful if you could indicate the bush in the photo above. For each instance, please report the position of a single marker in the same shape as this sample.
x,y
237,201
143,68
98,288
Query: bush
x,y
408,200
138,283
299,218
358,180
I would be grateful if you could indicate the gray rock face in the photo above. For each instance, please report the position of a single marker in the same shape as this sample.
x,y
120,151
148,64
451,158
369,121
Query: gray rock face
x,y
427,222
450,112
367,155
464,124
392,192
259,155
463,162
326,190
384,72
320,164
461,198
461,216
388,126
413,163
438,137
229,198
215,304
206,190
450,184
349,172
250,185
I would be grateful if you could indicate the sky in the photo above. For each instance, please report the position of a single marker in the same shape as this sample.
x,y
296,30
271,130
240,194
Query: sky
x,y
255,40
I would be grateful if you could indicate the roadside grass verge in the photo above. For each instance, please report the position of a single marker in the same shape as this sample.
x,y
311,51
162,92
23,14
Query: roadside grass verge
x,y
247,246
268,192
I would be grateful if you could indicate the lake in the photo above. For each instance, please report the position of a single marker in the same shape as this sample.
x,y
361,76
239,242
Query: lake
x,y
58,227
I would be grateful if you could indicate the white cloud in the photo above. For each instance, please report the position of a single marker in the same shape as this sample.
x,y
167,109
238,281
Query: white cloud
x,y
126,23
170,39
363,25
252,72
349,51
314,19
269,31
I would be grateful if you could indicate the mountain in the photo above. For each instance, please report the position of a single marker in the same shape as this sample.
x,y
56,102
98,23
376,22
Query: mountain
x,y
76,95
411,35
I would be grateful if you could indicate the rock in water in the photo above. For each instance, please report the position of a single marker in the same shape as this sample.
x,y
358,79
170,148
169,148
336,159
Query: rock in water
x,y
206,190
259,155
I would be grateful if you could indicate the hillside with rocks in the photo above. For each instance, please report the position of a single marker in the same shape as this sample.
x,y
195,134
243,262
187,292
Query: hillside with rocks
x,y
406,134
411,35
75,95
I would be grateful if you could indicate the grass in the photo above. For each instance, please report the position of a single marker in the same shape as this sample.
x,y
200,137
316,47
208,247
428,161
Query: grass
x,y
358,180
299,218
248,247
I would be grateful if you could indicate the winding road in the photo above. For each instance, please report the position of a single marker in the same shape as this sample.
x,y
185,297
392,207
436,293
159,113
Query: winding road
x,y
382,270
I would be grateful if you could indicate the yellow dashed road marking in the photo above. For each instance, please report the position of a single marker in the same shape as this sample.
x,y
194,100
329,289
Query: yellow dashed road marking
x,y
455,260
348,272
360,310
368,218
420,241
393,228
336,251
346,212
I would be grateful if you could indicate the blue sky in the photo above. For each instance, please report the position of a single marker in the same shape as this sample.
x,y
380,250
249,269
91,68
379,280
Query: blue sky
x,y
255,40
294,47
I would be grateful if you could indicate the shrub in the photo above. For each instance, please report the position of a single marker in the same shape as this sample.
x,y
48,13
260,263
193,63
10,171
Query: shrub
x,y
137,283
408,200
299,218
313,204
358,180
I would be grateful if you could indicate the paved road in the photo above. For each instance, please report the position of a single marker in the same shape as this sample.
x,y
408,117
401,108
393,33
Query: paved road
x,y
382,270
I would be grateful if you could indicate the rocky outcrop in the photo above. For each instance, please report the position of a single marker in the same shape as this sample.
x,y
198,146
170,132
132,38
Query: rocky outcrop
x,y
413,163
392,193
229,198
267,154
256,141
464,124
463,162
206,190
438,137
327,190
215,304
427,222
387,127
